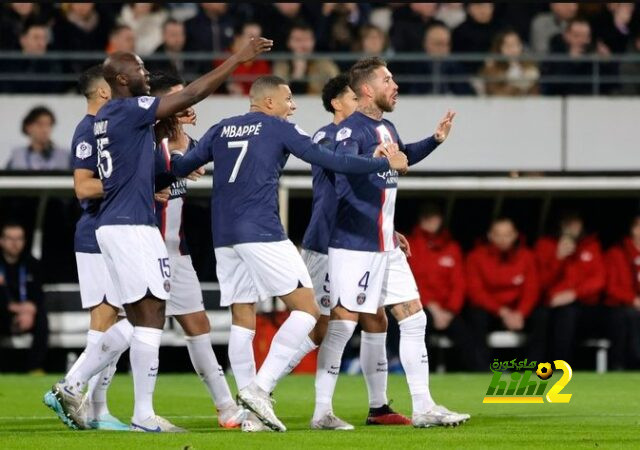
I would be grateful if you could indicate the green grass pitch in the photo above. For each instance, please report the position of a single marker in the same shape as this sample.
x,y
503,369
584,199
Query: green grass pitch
x,y
604,412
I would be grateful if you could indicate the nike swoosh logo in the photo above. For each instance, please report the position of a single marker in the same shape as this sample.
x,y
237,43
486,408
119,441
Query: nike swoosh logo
x,y
335,367
424,356
382,364
151,430
153,368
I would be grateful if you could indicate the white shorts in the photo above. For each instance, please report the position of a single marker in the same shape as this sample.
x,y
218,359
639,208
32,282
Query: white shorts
x,y
318,267
95,283
185,296
365,281
258,271
137,260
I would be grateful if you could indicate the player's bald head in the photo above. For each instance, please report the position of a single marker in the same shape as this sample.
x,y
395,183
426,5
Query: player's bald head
x,y
125,70
264,87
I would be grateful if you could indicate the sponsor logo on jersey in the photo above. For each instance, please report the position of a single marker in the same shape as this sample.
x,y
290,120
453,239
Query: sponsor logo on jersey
x,y
390,177
344,133
83,150
178,188
145,101
361,298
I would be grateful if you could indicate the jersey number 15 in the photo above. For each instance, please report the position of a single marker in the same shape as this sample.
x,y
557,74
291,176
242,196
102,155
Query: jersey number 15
x,y
105,164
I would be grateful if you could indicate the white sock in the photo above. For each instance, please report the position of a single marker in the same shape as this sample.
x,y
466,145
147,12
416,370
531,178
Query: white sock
x,y
206,366
415,361
373,360
338,334
93,337
144,367
99,389
284,346
307,347
113,342
243,364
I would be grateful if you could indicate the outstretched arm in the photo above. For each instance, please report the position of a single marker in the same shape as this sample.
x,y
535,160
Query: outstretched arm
x,y
201,154
208,83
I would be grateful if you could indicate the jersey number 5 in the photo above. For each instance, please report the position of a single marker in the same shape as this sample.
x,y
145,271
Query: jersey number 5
x,y
243,146
105,164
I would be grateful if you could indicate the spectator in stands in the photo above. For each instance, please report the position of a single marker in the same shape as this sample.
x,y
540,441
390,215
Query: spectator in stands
x,y
503,289
631,69
436,44
173,40
409,24
572,277
21,301
451,14
145,19
338,26
121,39
512,77
574,42
278,18
80,28
40,153
546,25
373,41
305,76
475,34
623,299
246,73
34,39
436,263
613,27
211,30
14,17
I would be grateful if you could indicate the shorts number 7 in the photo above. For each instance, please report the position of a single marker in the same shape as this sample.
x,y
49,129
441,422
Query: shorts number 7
x,y
244,146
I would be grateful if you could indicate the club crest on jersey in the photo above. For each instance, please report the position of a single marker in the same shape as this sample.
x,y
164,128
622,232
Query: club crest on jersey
x,y
343,134
319,136
325,301
83,150
167,285
361,298
145,102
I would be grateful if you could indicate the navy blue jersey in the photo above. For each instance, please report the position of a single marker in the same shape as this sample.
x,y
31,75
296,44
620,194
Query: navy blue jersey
x,y
366,203
85,156
249,153
169,215
325,202
125,140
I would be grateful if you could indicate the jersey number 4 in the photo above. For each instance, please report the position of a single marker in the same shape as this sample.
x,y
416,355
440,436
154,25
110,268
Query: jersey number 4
x,y
243,146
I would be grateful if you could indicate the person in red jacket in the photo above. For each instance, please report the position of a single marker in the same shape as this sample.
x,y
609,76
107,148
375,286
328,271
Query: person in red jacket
x,y
503,290
622,299
572,277
437,265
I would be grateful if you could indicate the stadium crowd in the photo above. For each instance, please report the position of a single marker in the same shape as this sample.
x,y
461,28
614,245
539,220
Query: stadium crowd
x,y
506,33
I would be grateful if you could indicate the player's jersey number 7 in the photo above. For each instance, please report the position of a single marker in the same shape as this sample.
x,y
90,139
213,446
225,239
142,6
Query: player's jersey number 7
x,y
243,146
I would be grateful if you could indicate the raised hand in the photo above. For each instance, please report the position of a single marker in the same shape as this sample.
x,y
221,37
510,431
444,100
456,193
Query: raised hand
x,y
444,126
187,117
253,48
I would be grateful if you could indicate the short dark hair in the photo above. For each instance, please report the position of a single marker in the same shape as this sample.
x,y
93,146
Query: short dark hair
x,y
430,209
171,21
34,115
11,224
89,78
362,70
266,82
117,29
32,23
500,219
334,88
301,25
162,82
577,19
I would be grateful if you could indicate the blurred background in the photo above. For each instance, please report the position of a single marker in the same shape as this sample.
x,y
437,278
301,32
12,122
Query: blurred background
x,y
532,204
